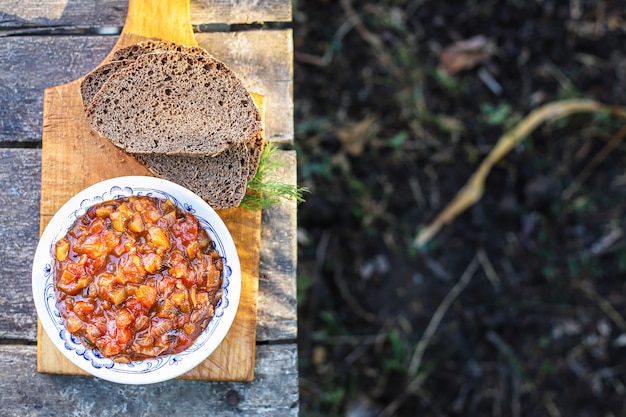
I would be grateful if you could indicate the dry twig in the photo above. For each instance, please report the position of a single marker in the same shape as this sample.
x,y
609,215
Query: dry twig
x,y
416,361
597,160
474,189
587,288
382,53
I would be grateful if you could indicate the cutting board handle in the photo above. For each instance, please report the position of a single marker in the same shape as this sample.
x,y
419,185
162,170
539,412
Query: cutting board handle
x,y
168,20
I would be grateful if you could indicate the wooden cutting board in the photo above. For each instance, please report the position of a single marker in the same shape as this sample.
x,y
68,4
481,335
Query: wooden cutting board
x,y
75,157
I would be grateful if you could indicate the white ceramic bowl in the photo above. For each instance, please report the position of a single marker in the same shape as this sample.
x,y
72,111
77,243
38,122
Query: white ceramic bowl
x,y
145,371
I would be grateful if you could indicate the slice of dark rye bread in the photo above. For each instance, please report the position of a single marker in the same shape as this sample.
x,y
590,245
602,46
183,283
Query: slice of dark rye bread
x,y
93,81
220,180
122,57
206,106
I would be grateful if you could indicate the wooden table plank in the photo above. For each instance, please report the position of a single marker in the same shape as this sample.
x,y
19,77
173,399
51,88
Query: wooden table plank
x,y
20,186
278,264
241,11
30,65
113,12
274,393
264,62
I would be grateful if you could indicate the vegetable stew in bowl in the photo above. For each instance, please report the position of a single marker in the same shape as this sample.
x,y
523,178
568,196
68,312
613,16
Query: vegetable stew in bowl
x,y
136,283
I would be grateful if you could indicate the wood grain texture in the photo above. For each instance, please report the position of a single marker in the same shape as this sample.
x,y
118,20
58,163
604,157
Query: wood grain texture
x,y
75,157
240,11
279,262
93,13
266,67
167,20
19,231
274,393
23,78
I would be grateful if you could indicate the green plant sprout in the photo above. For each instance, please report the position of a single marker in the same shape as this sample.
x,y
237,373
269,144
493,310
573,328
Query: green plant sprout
x,y
265,189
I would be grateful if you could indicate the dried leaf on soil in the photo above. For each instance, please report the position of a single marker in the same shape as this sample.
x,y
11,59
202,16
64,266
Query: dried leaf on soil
x,y
465,54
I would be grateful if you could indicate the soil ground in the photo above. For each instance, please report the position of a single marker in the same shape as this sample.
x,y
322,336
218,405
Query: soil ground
x,y
517,306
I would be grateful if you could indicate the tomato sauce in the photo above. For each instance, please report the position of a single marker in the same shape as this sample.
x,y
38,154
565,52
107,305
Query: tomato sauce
x,y
137,277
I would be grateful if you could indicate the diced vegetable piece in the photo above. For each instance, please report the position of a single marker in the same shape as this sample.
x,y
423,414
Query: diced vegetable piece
x,y
118,221
168,206
75,286
202,298
106,346
165,286
161,328
189,328
123,336
136,223
192,249
141,323
178,298
92,333
152,262
213,279
106,281
178,265
62,249
131,270
92,291
105,210
185,308
178,270
124,318
151,214
94,248
219,263
193,296
83,309
215,255
146,295
117,295
190,278
169,219
159,237
111,239
74,324
203,239
144,340
167,310
67,277
96,226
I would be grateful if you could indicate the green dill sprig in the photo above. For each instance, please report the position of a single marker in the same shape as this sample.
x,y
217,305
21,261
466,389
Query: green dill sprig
x,y
265,190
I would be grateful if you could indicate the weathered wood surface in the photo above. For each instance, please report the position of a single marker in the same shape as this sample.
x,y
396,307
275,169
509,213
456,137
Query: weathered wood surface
x,y
20,183
27,393
79,13
30,64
